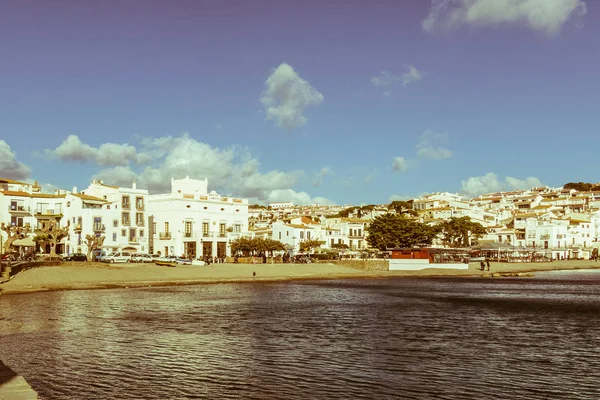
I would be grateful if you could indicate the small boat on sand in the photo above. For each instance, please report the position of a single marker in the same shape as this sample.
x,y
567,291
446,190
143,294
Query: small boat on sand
x,y
165,263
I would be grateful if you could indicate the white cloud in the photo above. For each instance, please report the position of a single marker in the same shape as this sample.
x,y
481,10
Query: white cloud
x,y
298,198
287,96
400,164
10,168
318,179
489,183
412,75
230,171
547,16
429,146
108,154
387,79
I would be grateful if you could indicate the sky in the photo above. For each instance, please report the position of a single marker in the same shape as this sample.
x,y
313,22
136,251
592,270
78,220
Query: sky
x,y
313,101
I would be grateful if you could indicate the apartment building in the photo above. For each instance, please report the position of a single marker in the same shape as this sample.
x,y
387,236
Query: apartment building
x,y
192,222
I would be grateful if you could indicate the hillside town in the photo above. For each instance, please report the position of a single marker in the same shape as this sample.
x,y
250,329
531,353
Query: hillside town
x,y
193,222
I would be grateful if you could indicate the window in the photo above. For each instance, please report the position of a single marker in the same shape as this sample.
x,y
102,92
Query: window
x,y
125,202
124,232
115,223
97,224
125,219
166,227
16,221
132,237
188,229
237,228
279,235
301,234
205,229
115,237
139,219
139,203
308,235
222,229
153,227
141,233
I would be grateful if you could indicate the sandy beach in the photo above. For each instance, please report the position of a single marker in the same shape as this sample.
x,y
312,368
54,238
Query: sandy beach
x,y
73,276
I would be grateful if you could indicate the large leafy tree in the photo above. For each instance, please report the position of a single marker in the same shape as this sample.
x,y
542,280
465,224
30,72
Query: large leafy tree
x,y
256,245
308,245
93,243
396,230
13,233
458,232
54,234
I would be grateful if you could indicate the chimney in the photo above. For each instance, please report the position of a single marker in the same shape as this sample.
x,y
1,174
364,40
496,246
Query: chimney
x,y
133,185
74,190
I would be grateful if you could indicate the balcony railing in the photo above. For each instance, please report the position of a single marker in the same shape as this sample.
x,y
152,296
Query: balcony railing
x,y
544,237
99,228
188,234
48,212
133,240
164,235
18,209
126,206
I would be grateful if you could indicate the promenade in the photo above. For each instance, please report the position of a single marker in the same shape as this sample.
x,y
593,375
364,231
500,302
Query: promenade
x,y
74,275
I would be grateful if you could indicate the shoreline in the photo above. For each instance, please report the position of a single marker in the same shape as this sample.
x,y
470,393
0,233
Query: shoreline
x,y
96,276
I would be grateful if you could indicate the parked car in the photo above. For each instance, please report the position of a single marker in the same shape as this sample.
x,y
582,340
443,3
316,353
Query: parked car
x,y
141,258
119,257
75,257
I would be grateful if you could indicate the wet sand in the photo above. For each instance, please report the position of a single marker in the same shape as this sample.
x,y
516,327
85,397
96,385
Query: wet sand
x,y
73,276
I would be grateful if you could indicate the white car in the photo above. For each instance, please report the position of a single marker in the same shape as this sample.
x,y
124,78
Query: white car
x,y
141,258
119,257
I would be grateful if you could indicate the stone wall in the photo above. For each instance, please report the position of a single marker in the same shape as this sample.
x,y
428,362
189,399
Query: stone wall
x,y
371,264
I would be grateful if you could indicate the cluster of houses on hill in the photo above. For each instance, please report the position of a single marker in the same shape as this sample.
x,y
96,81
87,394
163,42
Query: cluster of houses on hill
x,y
191,221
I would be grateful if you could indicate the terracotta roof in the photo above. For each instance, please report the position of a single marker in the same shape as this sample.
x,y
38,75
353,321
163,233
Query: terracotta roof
x,y
307,220
33,195
12,181
354,220
86,197
299,226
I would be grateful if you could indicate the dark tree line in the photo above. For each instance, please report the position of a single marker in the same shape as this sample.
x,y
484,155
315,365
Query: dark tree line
x,y
397,230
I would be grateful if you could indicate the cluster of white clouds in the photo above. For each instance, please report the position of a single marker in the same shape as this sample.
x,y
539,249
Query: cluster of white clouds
x,y
489,183
231,170
286,97
387,79
9,166
429,146
547,16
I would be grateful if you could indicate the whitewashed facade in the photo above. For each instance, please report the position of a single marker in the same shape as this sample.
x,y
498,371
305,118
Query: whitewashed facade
x,y
191,222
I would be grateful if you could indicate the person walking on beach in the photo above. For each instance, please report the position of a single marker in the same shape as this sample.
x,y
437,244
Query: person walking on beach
x,y
253,274
487,262
481,265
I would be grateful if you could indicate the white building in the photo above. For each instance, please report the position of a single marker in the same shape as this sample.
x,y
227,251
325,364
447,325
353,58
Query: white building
x,y
123,216
190,221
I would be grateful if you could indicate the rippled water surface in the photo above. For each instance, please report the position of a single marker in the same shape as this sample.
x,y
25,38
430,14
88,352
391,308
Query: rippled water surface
x,y
351,339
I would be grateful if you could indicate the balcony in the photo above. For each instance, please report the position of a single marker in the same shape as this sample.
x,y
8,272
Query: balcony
x,y
544,237
19,209
188,234
133,240
99,228
164,235
126,206
48,213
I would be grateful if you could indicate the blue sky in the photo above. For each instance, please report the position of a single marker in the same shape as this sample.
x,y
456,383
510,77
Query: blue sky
x,y
345,102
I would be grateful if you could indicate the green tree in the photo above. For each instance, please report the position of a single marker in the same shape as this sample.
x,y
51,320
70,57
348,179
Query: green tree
x,y
458,232
241,245
396,230
402,207
306,246
581,186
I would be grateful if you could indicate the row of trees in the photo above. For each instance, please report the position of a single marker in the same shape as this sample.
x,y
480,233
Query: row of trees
x,y
397,230
50,233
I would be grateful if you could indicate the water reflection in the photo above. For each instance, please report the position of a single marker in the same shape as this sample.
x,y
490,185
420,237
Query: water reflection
x,y
392,338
